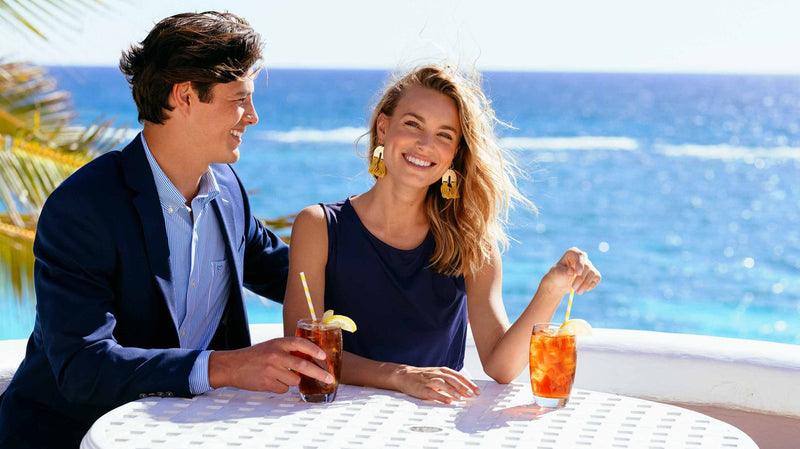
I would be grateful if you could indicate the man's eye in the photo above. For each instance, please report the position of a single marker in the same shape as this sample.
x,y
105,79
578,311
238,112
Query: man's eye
x,y
412,123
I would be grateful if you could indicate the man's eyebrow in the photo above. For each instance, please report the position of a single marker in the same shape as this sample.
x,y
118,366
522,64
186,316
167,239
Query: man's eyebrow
x,y
419,117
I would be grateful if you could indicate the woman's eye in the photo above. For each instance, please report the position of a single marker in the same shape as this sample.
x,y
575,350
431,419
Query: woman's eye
x,y
446,136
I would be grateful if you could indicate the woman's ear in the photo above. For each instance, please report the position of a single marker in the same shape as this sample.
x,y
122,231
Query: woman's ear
x,y
380,126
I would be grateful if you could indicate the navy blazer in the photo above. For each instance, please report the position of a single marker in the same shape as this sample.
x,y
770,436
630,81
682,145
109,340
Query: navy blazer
x,y
104,333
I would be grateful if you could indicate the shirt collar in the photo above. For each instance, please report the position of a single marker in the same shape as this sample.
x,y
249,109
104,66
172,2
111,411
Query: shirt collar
x,y
168,194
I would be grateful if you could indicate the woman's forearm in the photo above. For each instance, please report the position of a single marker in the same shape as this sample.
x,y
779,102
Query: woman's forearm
x,y
357,370
510,355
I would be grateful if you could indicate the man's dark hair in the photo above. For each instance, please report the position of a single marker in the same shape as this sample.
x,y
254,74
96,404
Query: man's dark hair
x,y
204,48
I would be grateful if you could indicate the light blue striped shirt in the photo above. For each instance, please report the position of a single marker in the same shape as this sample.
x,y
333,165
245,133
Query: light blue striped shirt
x,y
200,271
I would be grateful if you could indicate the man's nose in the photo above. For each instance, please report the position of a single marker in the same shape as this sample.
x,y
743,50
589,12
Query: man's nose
x,y
251,115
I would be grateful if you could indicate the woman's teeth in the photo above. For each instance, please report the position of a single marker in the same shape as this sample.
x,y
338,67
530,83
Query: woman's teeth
x,y
418,162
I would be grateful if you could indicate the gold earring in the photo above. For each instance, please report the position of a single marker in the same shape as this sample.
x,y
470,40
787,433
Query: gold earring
x,y
377,167
450,184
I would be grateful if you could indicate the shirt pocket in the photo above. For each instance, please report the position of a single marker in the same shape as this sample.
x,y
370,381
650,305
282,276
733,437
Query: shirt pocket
x,y
219,270
219,282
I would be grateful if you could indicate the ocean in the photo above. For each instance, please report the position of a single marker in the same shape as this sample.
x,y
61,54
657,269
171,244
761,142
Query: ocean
x,y
683,189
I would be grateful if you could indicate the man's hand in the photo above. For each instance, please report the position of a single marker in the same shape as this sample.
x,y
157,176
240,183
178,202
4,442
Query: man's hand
x,y
268,366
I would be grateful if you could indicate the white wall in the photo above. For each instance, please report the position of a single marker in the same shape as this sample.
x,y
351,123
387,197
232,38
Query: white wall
x,y
724,372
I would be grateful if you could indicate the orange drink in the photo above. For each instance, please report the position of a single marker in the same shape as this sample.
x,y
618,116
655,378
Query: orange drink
x,y
327,336
552,365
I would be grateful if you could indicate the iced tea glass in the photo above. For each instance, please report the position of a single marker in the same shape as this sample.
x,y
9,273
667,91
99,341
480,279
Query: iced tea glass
x,y
329,338
552,365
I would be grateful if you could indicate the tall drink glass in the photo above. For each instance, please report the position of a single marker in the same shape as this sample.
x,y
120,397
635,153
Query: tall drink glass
x,y
552,365
329,338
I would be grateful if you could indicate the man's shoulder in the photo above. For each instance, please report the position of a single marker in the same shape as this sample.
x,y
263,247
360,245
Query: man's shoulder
x,y
98,177
106,170
101,167
102,177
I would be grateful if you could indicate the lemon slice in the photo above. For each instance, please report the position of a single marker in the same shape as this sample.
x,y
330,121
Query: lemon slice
x,y
328,313
575,326
344,322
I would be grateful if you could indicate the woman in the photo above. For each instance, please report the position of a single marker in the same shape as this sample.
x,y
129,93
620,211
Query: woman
x,y
413,257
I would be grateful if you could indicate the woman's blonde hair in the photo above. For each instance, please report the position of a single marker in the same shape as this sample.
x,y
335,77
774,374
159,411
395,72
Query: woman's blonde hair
x,y
465,229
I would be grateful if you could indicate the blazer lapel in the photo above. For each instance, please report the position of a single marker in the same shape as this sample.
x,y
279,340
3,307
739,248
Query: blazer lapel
x,y
137,174
233,228
232,331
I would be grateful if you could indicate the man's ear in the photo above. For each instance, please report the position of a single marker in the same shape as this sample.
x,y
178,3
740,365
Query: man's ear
x,y
182,96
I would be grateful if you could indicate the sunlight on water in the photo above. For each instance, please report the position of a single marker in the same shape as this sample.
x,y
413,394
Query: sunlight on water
x,y
682,189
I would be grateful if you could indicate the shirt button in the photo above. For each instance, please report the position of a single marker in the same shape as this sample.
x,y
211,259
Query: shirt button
x,y
170,209
192,283
183,333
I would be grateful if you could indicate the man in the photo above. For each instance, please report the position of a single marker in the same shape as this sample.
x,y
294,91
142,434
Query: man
x,y
141,255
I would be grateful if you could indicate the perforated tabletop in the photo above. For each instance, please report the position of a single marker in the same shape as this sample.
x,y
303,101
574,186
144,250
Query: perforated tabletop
x,y
504,416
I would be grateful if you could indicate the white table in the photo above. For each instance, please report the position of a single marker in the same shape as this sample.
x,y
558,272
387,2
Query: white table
x,y
504,416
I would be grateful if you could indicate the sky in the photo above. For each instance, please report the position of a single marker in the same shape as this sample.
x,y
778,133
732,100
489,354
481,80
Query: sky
x,y
672,36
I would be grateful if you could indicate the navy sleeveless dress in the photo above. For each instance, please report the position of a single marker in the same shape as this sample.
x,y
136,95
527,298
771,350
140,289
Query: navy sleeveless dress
x,y
405,312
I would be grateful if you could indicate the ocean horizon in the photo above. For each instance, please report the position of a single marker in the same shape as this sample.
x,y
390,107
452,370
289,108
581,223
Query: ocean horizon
x,y
683,188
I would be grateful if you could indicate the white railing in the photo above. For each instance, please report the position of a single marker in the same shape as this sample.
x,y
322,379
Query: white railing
x,y
732,373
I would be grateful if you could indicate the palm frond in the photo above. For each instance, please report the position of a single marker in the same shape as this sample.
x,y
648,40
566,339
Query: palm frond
x,y
32,108
38,149
30,105
35,16
16,256
10,15
9,123
97,138
29,172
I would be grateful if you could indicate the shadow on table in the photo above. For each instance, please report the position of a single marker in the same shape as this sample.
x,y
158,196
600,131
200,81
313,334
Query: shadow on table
x,y
486,411
496,407
229,404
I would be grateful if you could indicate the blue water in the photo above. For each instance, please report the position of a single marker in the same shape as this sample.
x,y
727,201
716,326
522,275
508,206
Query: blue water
x,y
683,189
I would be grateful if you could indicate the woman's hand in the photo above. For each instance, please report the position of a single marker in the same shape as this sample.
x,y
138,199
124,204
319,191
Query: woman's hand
x,y
573,270
439,384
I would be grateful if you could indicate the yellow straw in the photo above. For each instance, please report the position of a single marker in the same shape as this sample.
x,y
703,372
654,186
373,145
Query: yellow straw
x,y
569,302
308,297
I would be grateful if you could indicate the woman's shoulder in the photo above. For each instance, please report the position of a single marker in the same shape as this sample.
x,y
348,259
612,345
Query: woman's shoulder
x,y
309,230
310,215
320,214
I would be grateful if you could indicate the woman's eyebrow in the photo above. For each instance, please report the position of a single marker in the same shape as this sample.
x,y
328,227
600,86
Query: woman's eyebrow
x,y
419,117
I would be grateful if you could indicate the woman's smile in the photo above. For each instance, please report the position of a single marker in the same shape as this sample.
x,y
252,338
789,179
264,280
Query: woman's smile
x,y
417,162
